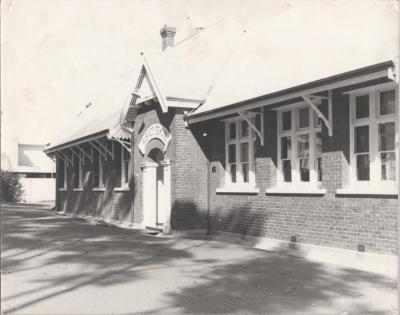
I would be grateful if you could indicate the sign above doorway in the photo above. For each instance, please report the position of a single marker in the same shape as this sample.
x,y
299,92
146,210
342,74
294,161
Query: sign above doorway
x,y
155,131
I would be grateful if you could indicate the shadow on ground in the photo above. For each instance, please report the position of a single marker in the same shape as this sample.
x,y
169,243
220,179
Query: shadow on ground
x,y
116,254
224,277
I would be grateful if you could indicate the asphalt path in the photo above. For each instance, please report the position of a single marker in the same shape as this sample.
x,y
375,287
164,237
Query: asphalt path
x,y
57,265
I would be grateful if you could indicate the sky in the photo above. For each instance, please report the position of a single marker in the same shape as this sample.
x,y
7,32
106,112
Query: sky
x,y
59,55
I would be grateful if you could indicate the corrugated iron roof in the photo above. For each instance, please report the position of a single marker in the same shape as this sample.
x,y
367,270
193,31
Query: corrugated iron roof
x,y
103,115
306,43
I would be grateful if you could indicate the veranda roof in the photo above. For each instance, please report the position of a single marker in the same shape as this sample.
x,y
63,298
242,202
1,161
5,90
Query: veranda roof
x,y
104,117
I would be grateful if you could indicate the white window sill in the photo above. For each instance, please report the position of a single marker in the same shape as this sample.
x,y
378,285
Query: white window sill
x,y
121,189
303,189
78,189
99,189
62,189
237,189
368,190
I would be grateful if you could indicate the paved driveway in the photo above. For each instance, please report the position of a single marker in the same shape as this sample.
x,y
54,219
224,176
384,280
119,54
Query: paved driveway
x,y
57,265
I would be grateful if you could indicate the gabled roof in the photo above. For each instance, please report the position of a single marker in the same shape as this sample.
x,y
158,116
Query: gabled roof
x,y
102,118
182,76
171,81
306,43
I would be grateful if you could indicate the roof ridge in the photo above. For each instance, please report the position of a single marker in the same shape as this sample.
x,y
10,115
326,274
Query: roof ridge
x,y
199,32
147,53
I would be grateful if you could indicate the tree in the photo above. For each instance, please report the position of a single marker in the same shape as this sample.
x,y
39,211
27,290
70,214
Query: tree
x,y
11,187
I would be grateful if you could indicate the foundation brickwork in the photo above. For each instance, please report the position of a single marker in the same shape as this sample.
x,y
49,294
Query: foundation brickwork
x,y
110,203
188,165
327,220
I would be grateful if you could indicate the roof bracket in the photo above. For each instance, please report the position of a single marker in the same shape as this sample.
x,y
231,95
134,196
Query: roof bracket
x,y
98,149
64,156
327,121
53,157
106,151
74,153
125,144
252,126
90,157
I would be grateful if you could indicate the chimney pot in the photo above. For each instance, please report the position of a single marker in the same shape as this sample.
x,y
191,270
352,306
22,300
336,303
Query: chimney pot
x,y
167,35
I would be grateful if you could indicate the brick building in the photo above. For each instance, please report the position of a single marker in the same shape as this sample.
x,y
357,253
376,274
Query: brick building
x,y
230,136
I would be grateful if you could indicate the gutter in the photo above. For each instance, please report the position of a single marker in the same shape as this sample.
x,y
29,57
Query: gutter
x,y
71,143
318,84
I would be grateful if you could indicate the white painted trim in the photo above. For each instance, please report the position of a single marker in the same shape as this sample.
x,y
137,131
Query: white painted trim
x,y
253,127
296,189
63,189
327,121
372,122
78,189
293,135
106,150
238,117
153,85
289,96
124,181
121,188
99,170
60,147
237,141
145,99
186,100
90,157
99,189
365,90
376,190
239,189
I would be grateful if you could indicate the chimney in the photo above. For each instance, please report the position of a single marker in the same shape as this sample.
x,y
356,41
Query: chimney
x,y
167,35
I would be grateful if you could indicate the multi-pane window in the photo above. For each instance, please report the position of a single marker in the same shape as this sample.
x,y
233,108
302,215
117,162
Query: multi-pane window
x,y
98,170
78,161
373,132
125,157
63,174
239,152
299,146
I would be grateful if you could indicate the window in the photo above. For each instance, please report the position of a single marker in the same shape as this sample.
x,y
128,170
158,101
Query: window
x,y
63,174
78,171
372,137
98,170
125,157
239,148
299,146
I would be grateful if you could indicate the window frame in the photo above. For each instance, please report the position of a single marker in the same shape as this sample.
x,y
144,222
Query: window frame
x,y
99,170
80,172
124,180
295,131
372,122
63,185
238,140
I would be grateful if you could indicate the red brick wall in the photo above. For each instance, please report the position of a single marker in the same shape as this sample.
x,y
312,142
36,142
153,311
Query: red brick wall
x,y
189,176
328,220
110,203
188,161
145,118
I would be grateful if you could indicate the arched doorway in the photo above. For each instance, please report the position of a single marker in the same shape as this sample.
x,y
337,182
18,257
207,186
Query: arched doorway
x,y
156,189
157,156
